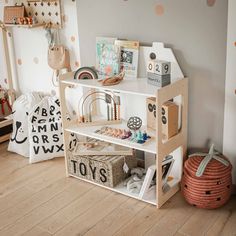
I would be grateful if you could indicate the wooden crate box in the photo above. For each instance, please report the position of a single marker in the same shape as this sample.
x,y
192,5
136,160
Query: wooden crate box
x,y
104,170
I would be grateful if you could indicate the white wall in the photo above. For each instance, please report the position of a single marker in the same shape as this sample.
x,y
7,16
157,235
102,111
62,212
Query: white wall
x,y
195,31
31,51
229,144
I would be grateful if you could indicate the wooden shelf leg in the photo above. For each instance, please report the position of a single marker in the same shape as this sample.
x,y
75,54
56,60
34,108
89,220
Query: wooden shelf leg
x,y
180,140
65,123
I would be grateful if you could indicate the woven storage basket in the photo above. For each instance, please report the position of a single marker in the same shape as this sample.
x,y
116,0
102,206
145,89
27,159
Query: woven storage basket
x,y
104,170
212,189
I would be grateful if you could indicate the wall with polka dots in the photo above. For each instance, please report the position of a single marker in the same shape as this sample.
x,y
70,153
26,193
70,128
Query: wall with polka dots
x,y
196,30
31,47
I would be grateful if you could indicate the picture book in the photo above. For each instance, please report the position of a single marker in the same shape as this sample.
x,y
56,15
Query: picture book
x,y
107,57
147,181
150,176
129,57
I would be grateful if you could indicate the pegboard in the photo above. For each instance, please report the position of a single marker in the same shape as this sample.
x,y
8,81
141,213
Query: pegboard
x,y
45,11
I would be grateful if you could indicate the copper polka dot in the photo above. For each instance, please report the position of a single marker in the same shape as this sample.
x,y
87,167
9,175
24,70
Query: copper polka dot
x,y
159,10
19,62
72,38
77,64
211,3
36,60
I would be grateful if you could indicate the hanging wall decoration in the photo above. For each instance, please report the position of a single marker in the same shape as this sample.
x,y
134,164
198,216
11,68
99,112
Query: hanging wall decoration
x,y
46,12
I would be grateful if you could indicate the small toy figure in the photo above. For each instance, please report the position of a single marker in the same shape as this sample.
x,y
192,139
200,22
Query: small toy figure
x,y
145,136
135,182
129,133
139,135
134,137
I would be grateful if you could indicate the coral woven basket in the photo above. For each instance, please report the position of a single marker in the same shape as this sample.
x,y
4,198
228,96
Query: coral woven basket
x,y
212,189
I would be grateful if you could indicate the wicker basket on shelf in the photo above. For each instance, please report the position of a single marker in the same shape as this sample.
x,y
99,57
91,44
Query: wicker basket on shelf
x,y
207,180
104,170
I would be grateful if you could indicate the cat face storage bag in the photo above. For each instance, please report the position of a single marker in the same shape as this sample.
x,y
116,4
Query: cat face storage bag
x,y
45,130
19,141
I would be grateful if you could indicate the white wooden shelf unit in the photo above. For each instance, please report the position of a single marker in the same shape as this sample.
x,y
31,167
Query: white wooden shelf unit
x,y
155,145
11,91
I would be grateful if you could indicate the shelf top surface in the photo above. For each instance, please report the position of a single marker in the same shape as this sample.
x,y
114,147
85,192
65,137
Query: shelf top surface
x,y
137,86
25,26
89,131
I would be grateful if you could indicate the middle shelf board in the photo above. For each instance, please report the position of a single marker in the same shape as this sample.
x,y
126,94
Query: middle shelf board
x,y
135,86
89,131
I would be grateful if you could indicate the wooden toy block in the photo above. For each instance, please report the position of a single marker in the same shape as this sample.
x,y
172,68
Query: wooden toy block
x,y
159,67
151,66
162,67
151,112
169,119
158,80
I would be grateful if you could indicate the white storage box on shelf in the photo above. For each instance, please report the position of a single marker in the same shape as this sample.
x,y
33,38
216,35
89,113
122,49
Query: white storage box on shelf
x,y
139,87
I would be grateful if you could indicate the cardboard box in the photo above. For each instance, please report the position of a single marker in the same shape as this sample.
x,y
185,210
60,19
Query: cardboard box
x,y
170,114
169,118
151,112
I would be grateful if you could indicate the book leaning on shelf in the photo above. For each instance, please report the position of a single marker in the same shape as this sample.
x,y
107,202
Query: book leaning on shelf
x,y
151,175
107,57
129,53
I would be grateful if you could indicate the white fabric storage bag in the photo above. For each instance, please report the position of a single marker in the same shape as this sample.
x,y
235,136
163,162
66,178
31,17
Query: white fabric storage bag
x,y
45,130
19,142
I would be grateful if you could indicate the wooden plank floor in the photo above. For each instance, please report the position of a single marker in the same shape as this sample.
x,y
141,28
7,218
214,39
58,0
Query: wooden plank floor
x,y
38,200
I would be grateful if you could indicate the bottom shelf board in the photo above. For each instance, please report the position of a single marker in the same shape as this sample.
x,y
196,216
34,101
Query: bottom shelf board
x,y
120,188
